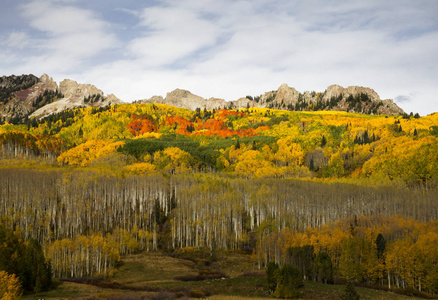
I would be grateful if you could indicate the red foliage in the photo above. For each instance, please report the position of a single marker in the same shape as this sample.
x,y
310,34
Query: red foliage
x,y
182,125
213,124
262,128
141,124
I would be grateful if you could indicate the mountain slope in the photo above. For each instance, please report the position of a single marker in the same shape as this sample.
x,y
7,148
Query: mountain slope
x,y
25,96
335,98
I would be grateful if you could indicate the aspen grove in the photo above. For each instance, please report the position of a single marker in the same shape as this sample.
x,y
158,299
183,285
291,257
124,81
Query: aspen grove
x,y
337,194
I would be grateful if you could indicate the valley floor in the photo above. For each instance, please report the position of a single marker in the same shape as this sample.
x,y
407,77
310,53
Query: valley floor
x,y
152,275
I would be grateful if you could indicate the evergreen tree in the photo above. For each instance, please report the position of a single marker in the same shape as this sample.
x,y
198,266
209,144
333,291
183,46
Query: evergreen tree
x,y
312,165
365,138
323,141
381,245
350,293
26,260
272,270
323,268
289,280
238,144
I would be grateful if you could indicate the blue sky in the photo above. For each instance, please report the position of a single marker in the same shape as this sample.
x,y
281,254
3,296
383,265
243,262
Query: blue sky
x,y
227,48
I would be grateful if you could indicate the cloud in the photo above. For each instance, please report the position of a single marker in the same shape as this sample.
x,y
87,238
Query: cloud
x,y
67,35
171,34
232,48
18,40
403,98
229,49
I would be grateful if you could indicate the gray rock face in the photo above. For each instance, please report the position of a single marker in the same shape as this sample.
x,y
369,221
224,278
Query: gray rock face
x,y
25,91
75,95
286,97
73,90
336,90
185,99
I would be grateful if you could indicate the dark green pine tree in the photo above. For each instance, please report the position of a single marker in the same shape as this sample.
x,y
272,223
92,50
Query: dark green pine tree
x,y
289,281
323,141
366,138
272,272
350,293
381,245
312,165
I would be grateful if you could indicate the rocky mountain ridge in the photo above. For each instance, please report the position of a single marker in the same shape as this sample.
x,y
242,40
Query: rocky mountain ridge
x,y
336,98
27,96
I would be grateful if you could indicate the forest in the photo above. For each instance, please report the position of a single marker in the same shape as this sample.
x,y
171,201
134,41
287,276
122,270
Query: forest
x,y
335,194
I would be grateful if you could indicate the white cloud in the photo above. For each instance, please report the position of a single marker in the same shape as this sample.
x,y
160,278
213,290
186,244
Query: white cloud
x,y
50,17
17,40
229,49
67,35
172,34
246,47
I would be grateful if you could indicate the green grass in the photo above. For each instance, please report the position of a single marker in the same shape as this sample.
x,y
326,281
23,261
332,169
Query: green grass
x,y
152,266
157,270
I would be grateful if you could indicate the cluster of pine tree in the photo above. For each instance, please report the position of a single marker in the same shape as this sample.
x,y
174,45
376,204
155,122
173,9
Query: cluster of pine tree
x,y
26,260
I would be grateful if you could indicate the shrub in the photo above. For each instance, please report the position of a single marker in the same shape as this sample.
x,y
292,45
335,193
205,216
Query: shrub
x,y
289,280
350,292
197,294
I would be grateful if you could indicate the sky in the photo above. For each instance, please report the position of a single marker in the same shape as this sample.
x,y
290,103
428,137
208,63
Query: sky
x,y
227,49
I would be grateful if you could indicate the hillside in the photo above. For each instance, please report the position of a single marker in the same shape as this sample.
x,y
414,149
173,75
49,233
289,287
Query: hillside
x,y
249,143
342,196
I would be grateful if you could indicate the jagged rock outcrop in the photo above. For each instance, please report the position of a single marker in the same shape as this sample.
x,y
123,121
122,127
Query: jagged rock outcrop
x,y
371,103
18,95
76,95
27,96
337,98
185,99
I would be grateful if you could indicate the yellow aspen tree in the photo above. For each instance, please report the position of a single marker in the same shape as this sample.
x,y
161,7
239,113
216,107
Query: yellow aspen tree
x,y
10,288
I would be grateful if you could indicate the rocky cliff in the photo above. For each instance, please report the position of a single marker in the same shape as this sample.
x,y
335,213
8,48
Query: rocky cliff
x,y
185,99
351,99
76,95
26,96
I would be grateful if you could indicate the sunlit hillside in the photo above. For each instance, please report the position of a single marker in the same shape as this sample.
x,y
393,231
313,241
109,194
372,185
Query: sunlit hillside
x,y
340,196
250,143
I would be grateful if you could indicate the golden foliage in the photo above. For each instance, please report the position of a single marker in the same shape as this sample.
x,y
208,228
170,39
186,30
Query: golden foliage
x,y
141,168
10,288
86,153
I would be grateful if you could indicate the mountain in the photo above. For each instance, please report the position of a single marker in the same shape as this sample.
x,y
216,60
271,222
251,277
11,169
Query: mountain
x,y
335,98
27,96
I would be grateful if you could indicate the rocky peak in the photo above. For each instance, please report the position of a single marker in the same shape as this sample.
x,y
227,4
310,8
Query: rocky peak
x,y
47,82
29,96
335,97
334,91
185,99
72,89
287,95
